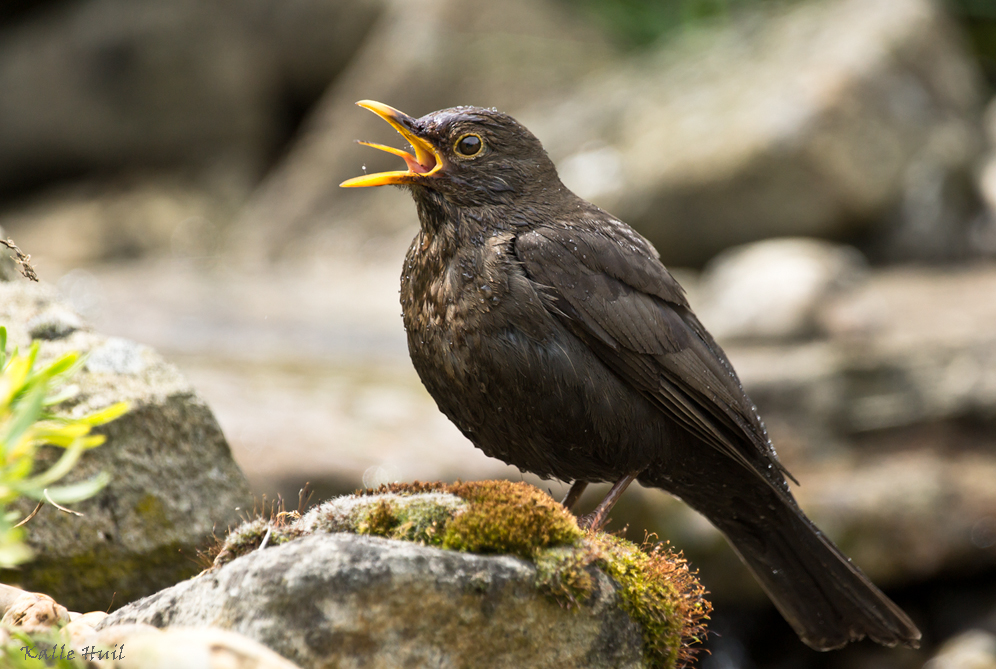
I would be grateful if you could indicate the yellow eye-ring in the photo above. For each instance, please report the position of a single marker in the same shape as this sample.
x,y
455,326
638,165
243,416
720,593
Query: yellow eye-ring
x,y
469,145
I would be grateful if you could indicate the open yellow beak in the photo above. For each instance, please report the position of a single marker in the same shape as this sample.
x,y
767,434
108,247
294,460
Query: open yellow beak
x,y
424,163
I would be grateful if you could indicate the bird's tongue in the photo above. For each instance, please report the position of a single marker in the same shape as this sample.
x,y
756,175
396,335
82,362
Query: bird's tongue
x,y
415,164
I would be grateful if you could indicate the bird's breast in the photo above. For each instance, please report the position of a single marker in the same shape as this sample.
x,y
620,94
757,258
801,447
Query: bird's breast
x,y
459,306
449,292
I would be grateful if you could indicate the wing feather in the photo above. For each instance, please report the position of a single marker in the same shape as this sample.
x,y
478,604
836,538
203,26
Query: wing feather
x,y
607,284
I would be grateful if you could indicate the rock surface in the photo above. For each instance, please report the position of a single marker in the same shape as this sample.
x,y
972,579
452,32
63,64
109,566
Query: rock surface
x,y
105,84
907,347
30,611
173,480
826,119
774,289
152,215
342,599
975,649
203,648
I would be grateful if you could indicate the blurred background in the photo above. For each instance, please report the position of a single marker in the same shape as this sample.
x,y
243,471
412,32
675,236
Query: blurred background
x,y
819,174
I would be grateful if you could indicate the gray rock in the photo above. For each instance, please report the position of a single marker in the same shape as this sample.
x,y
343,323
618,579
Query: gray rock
x,y
974,649
104,83
204,648
118,356
347,600
774,289
8,268
984,233
157,214
419,57
825,119
56,323
108,83
173,480
909,347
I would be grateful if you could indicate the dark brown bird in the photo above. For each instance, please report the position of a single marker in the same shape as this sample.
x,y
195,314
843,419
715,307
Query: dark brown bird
x,y
550,333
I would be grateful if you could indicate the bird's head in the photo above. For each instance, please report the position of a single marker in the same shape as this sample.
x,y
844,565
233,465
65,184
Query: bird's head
x,y
470,156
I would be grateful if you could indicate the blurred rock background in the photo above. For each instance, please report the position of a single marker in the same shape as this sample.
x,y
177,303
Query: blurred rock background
x,y
819,173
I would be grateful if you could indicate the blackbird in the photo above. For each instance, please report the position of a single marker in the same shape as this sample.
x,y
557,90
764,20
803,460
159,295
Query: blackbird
x,y
553,337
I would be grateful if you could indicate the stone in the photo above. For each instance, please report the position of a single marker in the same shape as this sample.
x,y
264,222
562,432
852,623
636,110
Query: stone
x,y
984,233
8,268
117,356
838,119
908,347
56,323
108,84
158,215
82,628
173,480
418,57
204,648
396,576
974,649
344,599
33,612
774,289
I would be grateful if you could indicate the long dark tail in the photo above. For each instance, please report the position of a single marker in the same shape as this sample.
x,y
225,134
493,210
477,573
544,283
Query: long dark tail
x,y
820,592
823,596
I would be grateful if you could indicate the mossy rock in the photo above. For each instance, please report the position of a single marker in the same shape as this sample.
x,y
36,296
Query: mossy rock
x,y
653,584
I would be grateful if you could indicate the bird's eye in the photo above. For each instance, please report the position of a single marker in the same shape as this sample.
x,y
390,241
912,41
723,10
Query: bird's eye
x,y
469,145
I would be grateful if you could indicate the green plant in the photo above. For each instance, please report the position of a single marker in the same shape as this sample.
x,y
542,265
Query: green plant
x,y
27,395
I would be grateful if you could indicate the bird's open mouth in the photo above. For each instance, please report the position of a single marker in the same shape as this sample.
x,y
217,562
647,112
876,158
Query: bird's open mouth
x,y
424,163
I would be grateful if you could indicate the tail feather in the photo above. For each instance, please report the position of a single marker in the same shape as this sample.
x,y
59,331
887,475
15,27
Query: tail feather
x,y
826,599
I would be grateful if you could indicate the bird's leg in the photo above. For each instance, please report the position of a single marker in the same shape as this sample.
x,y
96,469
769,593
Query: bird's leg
x,y
600,515
574,494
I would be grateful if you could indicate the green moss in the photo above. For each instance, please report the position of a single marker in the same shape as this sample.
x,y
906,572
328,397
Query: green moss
x,y
151,510
660,593
104,577
244,539
509,518
564,574
380,520
402,488
413,519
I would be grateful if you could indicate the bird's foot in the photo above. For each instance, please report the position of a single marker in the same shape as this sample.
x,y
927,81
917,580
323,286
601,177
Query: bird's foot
x,y
574,494
597,519
593,522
